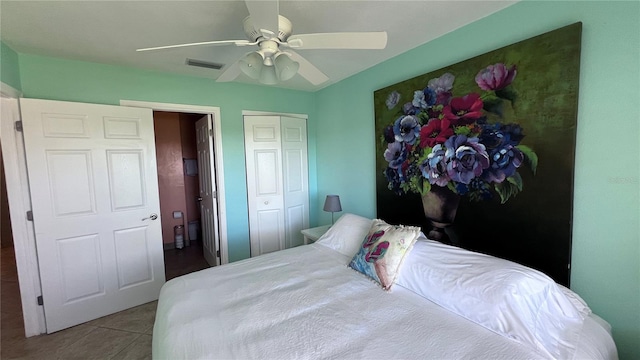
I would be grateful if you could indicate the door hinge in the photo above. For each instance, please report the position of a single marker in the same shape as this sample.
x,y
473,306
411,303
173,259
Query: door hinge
x,y
215,194
218,253
19,126
40,300
210,132
30,215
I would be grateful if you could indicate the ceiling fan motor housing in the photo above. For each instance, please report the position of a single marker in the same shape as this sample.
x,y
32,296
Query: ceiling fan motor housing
x,y
284,29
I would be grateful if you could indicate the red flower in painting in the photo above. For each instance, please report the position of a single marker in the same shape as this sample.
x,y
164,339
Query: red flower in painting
x,y
463,110
436,131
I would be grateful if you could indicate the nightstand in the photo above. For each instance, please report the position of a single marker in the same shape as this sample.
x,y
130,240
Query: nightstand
x,y
313,234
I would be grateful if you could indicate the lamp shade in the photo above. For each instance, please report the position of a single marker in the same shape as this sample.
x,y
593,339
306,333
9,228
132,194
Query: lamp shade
x,y
268,75
332,203
285,67
252,65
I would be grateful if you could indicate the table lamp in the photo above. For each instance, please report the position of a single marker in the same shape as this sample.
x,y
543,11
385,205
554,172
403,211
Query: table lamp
x,y
332,204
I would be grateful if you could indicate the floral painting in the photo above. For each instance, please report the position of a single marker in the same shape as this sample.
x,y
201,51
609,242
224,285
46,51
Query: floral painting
x,y
480,154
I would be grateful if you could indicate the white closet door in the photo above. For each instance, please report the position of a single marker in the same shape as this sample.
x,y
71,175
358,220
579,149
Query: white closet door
x,y
296,179
94,188
264,184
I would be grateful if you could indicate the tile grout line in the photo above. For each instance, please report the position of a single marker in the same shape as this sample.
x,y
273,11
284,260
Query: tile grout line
x,y
129,344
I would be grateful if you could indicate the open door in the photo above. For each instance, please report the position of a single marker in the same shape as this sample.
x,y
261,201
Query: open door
x,y
94,189
208,202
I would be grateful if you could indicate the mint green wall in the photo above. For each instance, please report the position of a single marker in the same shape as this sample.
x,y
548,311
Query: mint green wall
x,y
9,67
58,79
606,249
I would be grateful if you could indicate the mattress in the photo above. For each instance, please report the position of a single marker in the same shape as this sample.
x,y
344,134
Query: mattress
x,y
304,303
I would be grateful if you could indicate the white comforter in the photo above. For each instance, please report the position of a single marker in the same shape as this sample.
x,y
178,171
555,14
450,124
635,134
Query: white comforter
x,y
305,303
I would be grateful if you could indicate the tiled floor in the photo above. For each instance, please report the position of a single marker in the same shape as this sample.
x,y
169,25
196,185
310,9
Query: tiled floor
x,y
124,335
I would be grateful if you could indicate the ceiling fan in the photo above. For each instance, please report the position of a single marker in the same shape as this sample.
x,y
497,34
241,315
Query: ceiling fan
x,y
271,32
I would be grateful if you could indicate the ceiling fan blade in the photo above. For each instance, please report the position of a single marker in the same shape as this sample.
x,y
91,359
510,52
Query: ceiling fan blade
x,y
307,70
230,73
264,14
221,42
347,40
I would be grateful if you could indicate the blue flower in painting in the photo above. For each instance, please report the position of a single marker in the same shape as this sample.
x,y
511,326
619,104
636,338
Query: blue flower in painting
x,y
389,136
477,190
513,133
504,162
430,96
395,154
434,168
497,135
419,100
466,158
393,178
409,109
407,129
442,84
393,99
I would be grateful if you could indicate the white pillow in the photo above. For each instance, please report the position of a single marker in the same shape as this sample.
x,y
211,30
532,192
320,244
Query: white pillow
x,y
346,235
508,298
577,301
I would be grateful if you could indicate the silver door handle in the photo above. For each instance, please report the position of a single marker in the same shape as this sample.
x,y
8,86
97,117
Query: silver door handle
x,y
152,217
199,198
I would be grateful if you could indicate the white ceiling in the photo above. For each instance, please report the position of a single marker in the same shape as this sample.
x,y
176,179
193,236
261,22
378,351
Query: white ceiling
x,y
109,31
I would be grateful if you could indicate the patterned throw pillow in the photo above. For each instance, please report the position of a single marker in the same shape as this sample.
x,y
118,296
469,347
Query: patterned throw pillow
x,y
383,251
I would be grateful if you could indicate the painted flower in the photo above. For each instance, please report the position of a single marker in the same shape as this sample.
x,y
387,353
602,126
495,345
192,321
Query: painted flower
x,y
504,162
495,77
409,109
395,154
497,135
419,100
393,99
393,179
454,142
437,131
476,190
407,129
442,84
388,134
466,158
464,110
434,168
429,96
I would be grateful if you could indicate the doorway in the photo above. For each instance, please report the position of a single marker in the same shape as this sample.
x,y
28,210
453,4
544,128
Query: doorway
x,y
179,188
23,234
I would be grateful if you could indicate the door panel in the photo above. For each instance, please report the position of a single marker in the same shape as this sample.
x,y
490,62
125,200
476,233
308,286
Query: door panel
x,y
269,231
264,184
93,181
208,201
296,178
126,179
82,277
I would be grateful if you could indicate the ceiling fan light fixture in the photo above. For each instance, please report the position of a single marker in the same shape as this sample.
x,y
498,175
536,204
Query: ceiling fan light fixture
x,y
285,67
251,65
268,75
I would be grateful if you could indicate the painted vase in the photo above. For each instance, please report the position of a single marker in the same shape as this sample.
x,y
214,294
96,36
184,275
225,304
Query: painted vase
x,y
440,206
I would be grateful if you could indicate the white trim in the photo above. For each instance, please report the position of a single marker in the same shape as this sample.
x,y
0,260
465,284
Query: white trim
x,y
217,143
19,198
265,113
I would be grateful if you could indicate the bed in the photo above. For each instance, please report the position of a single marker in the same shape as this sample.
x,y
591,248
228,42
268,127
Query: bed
x,y
309,302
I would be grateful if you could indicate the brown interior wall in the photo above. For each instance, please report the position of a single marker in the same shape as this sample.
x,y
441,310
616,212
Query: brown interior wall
x,y
170,171
5,226
191,183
